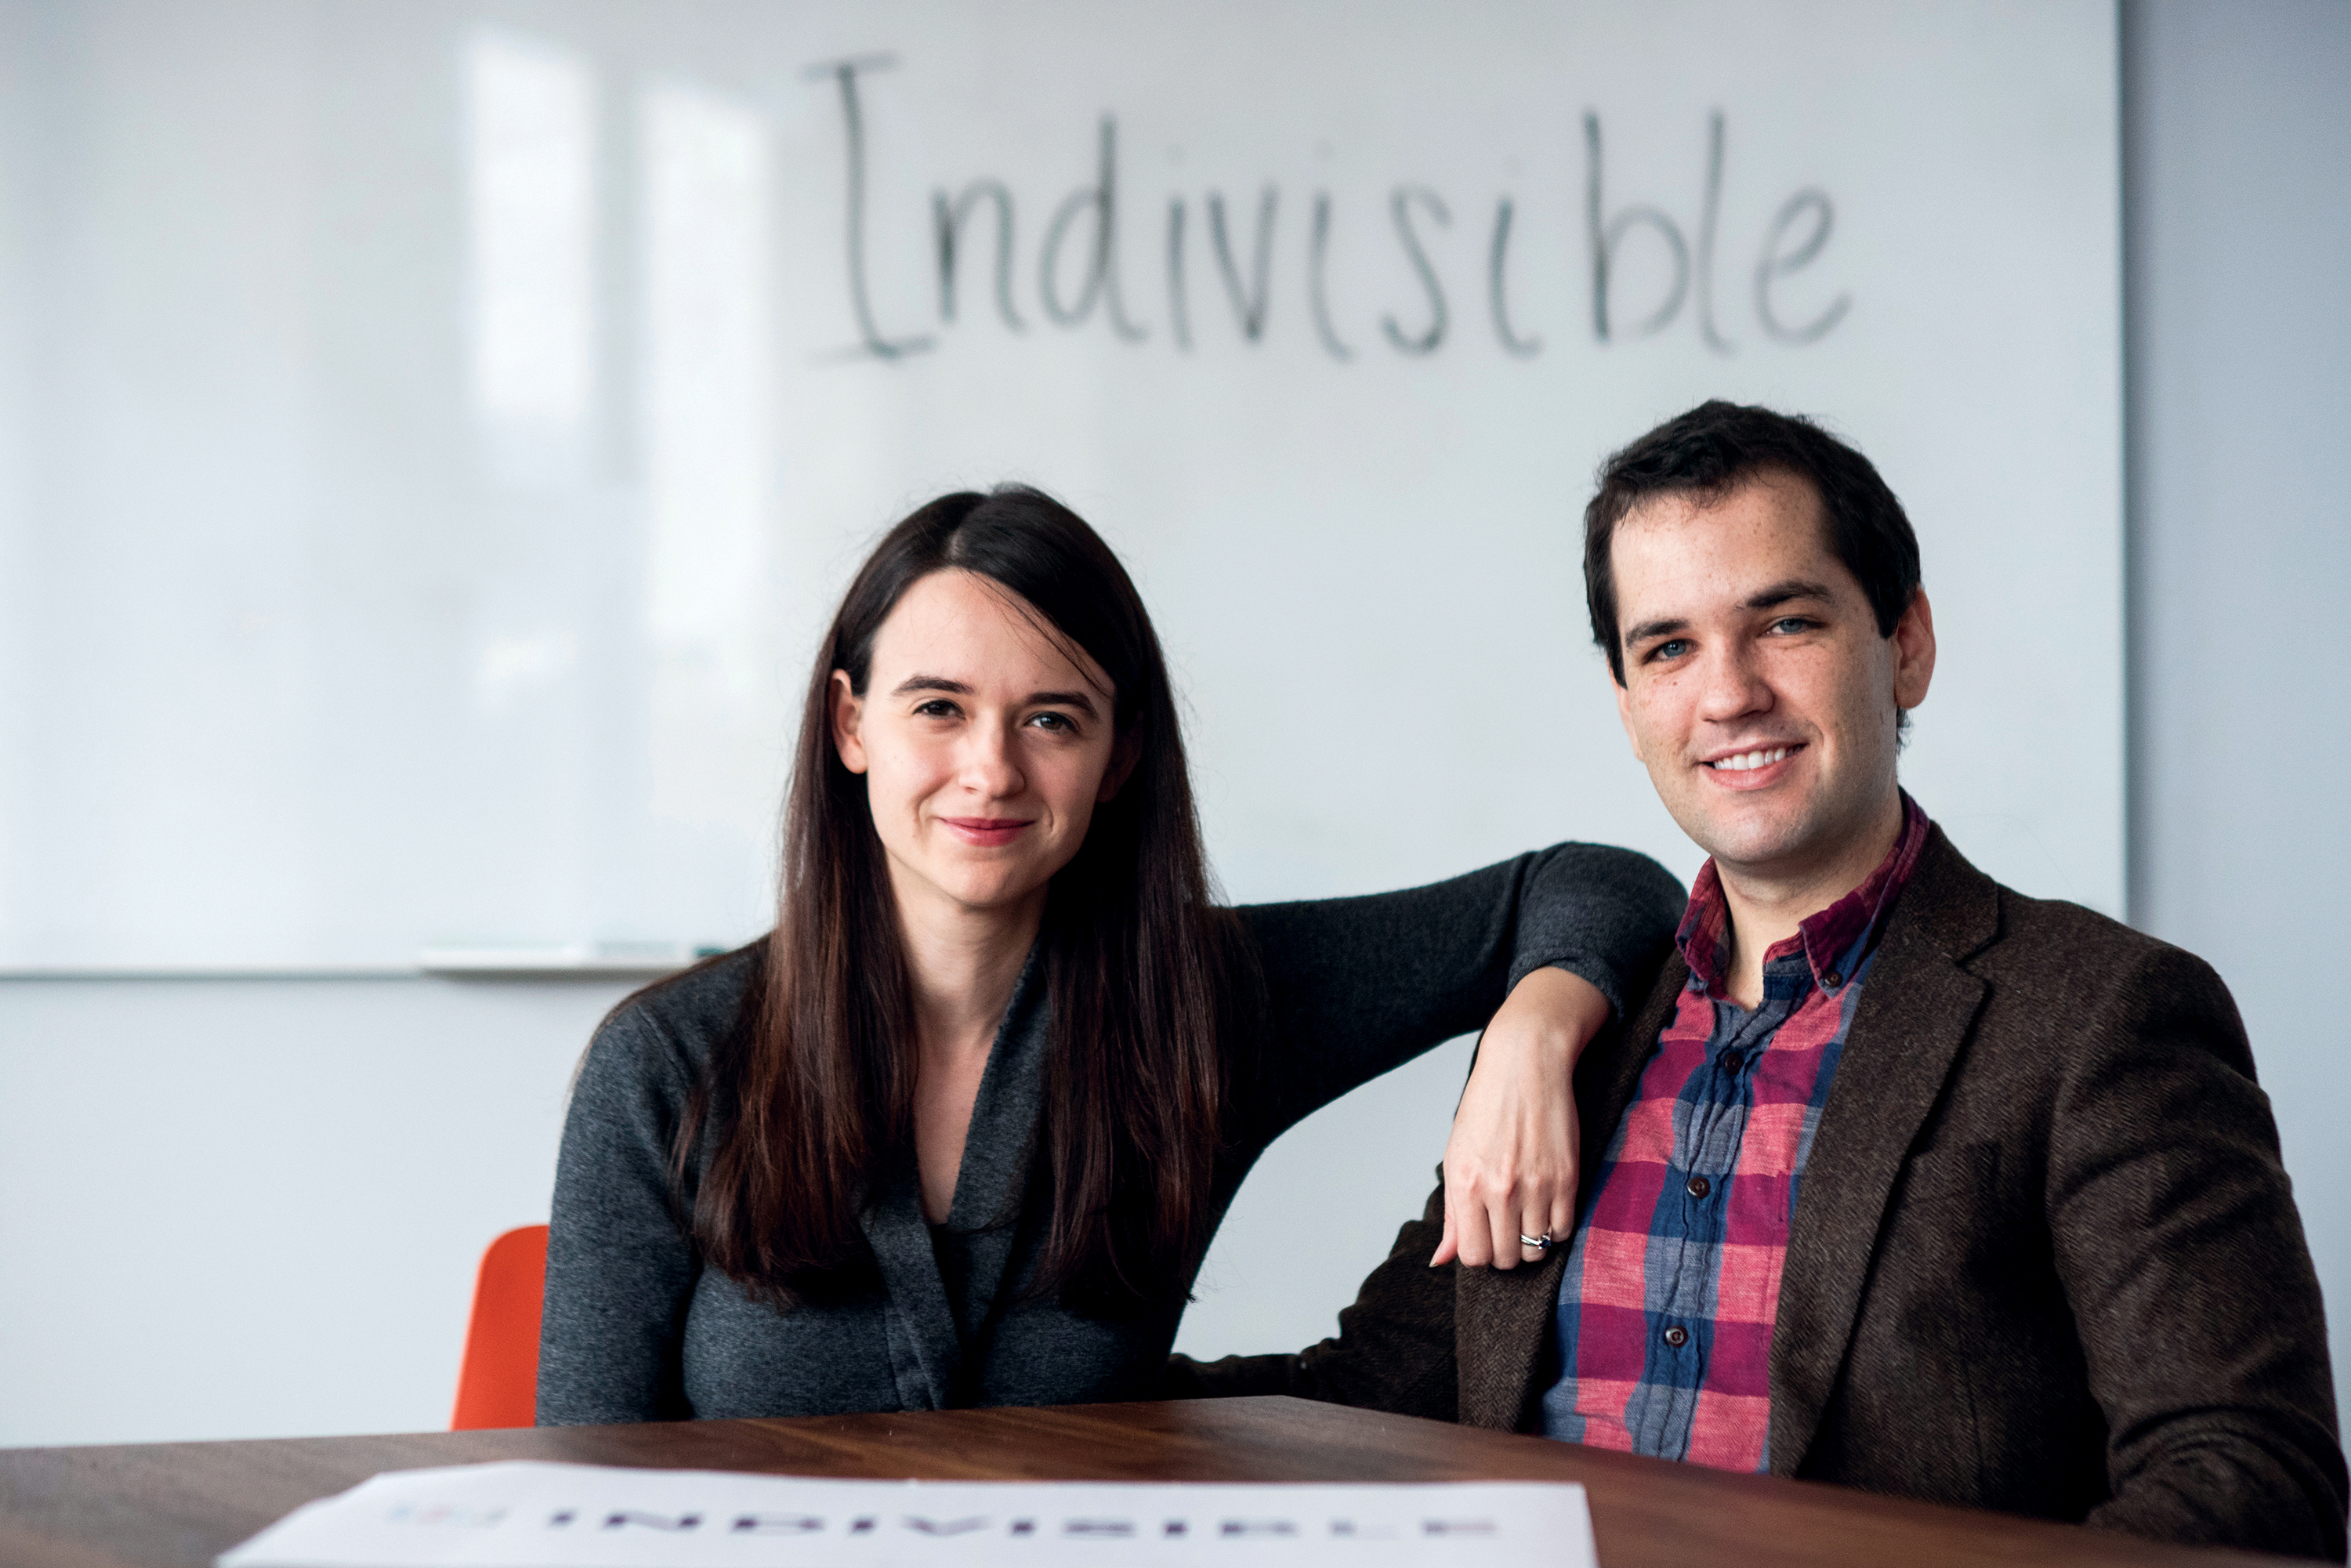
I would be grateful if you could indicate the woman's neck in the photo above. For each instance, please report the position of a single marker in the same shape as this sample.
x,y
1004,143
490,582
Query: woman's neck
x,y
961,965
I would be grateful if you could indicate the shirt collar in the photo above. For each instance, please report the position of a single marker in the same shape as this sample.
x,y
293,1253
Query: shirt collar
x,y
1829,940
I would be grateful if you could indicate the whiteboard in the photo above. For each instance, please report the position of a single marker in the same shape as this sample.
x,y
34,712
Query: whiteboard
x,y
436,434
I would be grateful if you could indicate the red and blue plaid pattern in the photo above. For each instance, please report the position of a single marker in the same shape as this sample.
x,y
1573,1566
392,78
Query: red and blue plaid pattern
x,y
1663,1324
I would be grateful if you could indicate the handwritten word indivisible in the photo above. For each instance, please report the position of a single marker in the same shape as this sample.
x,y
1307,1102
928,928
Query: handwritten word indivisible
x,y
1082,267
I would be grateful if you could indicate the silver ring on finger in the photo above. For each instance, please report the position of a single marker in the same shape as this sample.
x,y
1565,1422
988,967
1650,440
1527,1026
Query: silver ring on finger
x,y
1536,1243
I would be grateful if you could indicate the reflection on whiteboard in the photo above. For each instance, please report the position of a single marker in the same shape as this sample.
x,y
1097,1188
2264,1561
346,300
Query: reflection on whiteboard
x,y
439,437
533,1515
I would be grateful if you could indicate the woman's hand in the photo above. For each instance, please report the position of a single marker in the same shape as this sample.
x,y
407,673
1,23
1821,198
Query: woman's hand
x,y
1511,1164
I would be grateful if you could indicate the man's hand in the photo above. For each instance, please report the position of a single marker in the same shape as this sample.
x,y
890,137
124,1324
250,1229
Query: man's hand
x,y
1512,1166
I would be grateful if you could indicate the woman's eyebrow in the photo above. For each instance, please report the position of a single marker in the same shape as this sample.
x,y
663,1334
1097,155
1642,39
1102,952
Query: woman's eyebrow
x,y
1078,700
911,683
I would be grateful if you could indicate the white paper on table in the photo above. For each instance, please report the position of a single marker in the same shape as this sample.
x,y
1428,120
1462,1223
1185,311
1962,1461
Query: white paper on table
x,y
530,1515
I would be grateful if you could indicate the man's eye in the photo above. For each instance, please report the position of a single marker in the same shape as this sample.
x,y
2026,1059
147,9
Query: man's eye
x,y
1671,648
1789,625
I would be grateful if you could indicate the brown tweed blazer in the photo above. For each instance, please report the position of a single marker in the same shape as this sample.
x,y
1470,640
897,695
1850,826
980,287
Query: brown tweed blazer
x,y
2045,1260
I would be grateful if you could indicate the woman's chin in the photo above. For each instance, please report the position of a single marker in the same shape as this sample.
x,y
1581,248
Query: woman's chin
x,y
996,892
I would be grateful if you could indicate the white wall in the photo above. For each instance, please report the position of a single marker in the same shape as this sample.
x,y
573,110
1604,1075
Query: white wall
x,y
241,1207
2237,147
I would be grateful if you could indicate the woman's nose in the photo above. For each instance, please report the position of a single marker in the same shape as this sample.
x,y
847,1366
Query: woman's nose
x,y
991,768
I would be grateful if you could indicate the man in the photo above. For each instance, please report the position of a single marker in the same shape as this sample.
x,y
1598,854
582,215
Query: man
x,y
1909,1182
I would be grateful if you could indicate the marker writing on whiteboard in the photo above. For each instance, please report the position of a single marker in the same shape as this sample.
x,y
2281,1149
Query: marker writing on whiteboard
x,y
1081,266
843,74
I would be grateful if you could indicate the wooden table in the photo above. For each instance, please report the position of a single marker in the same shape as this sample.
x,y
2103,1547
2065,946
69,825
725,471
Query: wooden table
x,y
181,1503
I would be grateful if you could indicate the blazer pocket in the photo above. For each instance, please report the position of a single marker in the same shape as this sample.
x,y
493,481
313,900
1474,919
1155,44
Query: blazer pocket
x,y
1951,1212
1950,1170
1945,1243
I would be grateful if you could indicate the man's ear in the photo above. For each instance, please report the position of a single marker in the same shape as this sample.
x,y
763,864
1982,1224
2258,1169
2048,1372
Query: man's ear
x,y
848,717
1123,756
1914,651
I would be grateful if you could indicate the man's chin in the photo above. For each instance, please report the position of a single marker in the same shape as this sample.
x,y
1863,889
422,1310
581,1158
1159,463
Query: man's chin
x,y
1754,839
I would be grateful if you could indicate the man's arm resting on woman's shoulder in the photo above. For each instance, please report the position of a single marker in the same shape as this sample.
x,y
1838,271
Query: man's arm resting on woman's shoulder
x,y
1393,1352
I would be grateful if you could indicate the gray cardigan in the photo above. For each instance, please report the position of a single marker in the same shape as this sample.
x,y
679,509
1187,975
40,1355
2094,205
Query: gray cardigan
x,y
636,1330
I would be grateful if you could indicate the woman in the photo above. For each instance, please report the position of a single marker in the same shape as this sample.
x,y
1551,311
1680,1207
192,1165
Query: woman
x,y
958,1130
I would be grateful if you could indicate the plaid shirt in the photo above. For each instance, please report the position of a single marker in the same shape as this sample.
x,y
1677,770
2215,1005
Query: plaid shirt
x,y
1664,1325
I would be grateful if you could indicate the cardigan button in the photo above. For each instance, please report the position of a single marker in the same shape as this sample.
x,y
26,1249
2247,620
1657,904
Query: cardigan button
x,y
1677,1336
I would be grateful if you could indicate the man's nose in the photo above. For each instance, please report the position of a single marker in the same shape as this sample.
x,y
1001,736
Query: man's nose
x,y
1731,683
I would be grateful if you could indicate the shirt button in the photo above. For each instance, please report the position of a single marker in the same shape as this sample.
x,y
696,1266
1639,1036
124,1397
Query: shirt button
x,y
1832,979
1677,1336
1698,1186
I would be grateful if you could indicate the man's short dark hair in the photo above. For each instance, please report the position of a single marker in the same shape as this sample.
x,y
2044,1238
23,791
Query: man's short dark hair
x,y
1718,446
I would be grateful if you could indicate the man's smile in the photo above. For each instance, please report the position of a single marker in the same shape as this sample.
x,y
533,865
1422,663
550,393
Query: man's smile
x,y
1753,757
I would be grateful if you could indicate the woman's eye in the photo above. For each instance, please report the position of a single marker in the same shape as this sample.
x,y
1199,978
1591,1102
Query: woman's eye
x,y
937,707
1055,721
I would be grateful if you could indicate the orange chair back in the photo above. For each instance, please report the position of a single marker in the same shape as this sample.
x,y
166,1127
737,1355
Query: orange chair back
x,y
497,1385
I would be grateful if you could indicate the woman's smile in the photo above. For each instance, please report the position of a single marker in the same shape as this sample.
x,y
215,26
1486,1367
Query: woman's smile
x,y
987,832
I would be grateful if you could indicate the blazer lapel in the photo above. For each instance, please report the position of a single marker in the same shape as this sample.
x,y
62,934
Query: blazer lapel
x,y
1503,1317
1917,1009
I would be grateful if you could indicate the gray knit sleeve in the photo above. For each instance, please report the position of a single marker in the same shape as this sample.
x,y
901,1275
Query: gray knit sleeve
x,y
1356,986
620,1270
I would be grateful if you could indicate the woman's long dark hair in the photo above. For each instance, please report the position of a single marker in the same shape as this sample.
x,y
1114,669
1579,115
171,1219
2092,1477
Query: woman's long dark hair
x,y
813,1094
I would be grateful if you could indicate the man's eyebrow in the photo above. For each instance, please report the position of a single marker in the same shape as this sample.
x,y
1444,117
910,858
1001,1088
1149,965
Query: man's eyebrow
x,y
1648,629
1780,594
